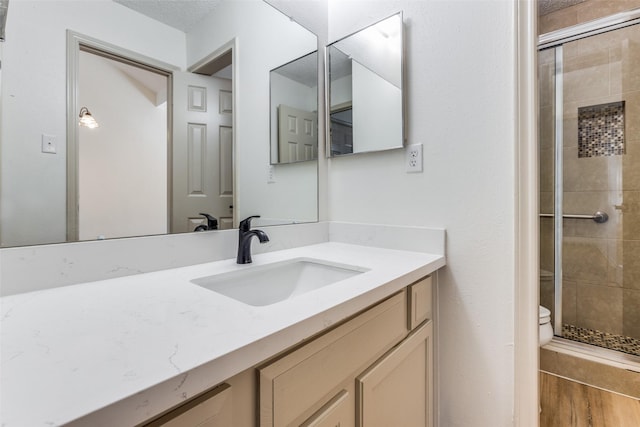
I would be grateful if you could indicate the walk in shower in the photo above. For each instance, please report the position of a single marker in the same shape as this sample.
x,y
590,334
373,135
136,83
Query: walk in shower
x,y
589,141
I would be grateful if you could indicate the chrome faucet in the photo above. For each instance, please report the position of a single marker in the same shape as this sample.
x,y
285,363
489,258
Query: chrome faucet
x,y
245,233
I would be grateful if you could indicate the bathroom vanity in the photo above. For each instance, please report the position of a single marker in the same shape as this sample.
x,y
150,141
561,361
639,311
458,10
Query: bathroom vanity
x,y
160,349
374,369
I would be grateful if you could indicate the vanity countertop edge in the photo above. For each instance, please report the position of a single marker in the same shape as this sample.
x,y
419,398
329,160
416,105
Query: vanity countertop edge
x,y
120,351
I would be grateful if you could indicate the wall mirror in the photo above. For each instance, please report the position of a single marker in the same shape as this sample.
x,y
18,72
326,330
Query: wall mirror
x,y
294,110
365,89
35,150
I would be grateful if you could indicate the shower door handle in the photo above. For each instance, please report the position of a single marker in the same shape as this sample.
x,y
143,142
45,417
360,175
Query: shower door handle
x,y
599,217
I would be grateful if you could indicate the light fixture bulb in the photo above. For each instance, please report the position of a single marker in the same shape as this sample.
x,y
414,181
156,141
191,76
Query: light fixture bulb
x,y
86,119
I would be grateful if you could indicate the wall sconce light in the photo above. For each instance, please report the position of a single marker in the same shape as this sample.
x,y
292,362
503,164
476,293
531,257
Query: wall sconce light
x,y
86,119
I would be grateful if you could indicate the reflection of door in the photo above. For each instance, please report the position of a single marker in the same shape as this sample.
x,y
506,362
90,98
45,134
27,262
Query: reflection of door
x,y
202,151
297,139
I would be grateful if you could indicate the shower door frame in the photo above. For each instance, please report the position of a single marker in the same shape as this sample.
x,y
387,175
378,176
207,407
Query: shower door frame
x,y
558,191
556,40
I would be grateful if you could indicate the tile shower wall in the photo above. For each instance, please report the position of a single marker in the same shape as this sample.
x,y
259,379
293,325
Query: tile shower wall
x,y
601,130
583,12
601,265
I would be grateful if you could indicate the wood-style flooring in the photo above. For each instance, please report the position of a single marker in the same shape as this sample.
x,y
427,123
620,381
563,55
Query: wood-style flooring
x,y
567,403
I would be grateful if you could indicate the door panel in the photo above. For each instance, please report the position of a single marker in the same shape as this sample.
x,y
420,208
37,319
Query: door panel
x,y
202,151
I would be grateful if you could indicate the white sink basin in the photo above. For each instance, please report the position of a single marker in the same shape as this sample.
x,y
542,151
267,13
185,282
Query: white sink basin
x,y
268,284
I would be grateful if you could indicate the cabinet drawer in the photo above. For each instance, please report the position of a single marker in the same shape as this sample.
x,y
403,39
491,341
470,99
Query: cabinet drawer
x,y
212,409
297,385
420,302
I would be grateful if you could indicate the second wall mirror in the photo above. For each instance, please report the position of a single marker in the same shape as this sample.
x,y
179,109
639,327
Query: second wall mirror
x,y
365,89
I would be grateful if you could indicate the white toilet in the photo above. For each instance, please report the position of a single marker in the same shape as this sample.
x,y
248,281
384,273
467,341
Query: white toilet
x,y
545,329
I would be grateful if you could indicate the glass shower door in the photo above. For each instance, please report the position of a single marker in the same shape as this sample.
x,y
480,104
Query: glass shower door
x,y
596,204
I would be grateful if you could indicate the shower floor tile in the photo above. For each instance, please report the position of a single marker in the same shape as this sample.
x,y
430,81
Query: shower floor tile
x,y
602,339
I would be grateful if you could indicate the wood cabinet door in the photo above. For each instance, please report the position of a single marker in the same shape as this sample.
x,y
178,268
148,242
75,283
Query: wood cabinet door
x,y
299,384
338,412
397,390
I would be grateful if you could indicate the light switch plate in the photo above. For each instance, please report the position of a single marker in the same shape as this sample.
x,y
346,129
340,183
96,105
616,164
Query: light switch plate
x,y
49,144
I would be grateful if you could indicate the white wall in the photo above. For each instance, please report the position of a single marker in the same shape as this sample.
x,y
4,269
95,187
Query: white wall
x,y
461,101
265,39
33,188
122,176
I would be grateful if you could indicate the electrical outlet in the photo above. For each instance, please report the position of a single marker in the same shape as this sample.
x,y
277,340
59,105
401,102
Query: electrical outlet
x,y
271,174
49,144
413,158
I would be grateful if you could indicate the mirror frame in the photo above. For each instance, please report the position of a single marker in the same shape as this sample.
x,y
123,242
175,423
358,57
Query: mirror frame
x,y
403,95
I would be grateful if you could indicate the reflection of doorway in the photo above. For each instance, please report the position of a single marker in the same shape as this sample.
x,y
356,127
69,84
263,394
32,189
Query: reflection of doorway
x,y
112,78
157,216
122,165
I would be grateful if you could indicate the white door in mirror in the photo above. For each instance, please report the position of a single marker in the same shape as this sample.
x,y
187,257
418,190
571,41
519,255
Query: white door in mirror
x,y
202,151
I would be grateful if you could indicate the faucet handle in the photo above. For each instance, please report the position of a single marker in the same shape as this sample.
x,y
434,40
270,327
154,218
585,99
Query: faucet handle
x,y
245,224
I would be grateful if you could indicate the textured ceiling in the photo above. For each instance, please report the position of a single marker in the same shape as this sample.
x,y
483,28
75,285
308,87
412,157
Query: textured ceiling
x,y
547,6
184,14
180,14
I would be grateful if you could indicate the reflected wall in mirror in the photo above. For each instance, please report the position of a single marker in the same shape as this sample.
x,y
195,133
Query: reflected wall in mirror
x,y
294,110
34,102
129,146
365,89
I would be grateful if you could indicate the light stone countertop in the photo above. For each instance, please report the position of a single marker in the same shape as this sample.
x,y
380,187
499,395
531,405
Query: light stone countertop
x,y
120,351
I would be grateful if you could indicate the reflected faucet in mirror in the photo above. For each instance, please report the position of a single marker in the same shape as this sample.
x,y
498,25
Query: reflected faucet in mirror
x,y
245,233
212,223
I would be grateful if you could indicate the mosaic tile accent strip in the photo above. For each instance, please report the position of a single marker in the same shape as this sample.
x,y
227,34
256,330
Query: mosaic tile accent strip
x,y
602,339
601,130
